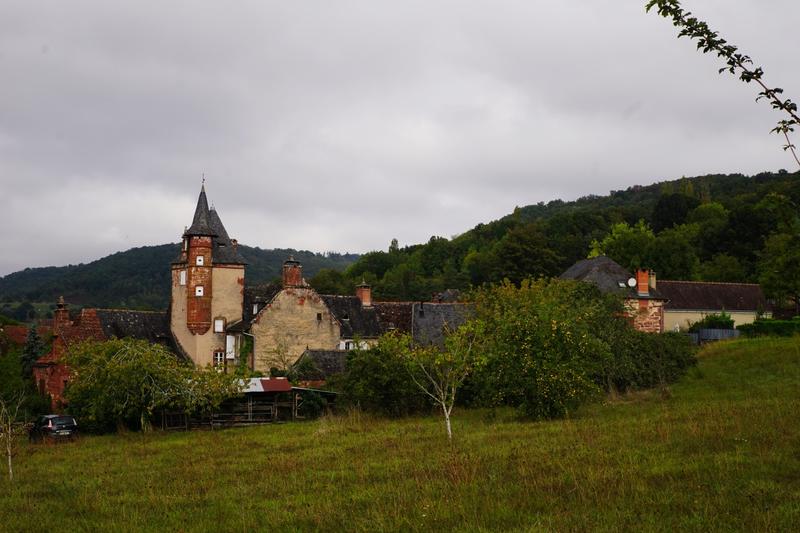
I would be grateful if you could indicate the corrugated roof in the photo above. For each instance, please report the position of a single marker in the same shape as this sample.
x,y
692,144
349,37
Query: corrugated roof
x,y
254,385
708,296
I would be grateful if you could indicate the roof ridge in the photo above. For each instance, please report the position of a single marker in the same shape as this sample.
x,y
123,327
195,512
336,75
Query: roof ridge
x,y
709,282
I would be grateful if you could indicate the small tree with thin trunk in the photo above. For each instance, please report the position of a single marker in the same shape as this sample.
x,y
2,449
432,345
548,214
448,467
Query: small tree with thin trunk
x,y
444,369
10,429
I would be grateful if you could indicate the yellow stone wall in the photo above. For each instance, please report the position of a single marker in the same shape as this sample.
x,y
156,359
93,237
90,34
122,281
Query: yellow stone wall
x,y
288,325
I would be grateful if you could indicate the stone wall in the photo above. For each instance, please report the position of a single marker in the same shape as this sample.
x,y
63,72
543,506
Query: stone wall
x,y
296,319
646,314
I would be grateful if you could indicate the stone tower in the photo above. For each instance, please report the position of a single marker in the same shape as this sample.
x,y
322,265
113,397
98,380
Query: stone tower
x,y
207,290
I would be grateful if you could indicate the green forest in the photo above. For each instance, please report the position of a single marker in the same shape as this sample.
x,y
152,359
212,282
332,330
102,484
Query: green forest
x,y
726,228
723,228
135,279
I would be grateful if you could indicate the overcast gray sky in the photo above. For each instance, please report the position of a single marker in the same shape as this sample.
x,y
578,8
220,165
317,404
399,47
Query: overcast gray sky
x,y
339,125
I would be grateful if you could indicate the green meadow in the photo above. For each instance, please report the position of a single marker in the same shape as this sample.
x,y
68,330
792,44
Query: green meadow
x,y
720,451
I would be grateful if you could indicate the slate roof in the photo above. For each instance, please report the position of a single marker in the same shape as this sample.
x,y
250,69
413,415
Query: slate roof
x,y
355,320
223,251
257,294
429,320
201,224
123,323
326,362
607,274
707,296
394,315
104,324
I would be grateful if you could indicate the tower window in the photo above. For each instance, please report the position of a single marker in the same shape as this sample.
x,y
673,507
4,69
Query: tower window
x,y
198,291
319,317
183,277
199,260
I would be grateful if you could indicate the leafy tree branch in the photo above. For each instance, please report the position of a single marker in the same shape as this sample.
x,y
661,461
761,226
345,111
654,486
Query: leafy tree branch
x,y
736,63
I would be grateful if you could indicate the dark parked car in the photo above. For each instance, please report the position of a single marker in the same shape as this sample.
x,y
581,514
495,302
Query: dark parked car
x,y
53,427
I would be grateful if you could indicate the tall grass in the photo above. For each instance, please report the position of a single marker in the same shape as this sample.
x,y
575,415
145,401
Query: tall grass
x,y
720,453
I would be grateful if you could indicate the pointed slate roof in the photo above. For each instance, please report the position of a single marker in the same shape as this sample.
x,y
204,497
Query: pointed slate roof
x,y
224,251
201,223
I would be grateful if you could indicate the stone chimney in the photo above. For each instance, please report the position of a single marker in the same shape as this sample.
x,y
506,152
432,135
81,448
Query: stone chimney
x,y
653,280
643,282
292,273
364,293
61,316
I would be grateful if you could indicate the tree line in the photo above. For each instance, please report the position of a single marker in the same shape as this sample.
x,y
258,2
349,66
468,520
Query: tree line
x,y
725,228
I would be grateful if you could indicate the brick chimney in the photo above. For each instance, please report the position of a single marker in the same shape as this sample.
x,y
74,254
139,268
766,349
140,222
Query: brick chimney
x,y
292,273
364,293
643,282
61,316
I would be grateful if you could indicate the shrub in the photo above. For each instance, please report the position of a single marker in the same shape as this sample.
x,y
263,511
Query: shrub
x,y
539,345
643,360
713,321
772,328
378,380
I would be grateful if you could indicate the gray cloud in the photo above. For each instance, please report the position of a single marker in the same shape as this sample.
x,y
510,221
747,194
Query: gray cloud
x,y
340,125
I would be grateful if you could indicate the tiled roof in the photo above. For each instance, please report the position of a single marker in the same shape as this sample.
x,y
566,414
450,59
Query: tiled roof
x,y
431,320
707,296
394,315
355,320
16,334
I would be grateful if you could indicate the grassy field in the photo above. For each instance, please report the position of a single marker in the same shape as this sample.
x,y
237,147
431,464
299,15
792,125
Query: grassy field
x,y
720,452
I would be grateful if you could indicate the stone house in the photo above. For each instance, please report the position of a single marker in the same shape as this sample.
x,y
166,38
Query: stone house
x,y
212,313
663,305
643,303
691,301
50,373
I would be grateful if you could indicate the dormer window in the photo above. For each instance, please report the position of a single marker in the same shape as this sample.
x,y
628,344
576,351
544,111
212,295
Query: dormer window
x,y
199,260
198,291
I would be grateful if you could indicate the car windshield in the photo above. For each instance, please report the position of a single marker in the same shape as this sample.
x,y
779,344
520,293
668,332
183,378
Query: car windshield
x,y
64,421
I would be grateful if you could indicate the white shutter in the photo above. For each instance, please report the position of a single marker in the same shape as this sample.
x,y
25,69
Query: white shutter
x,y
230,347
